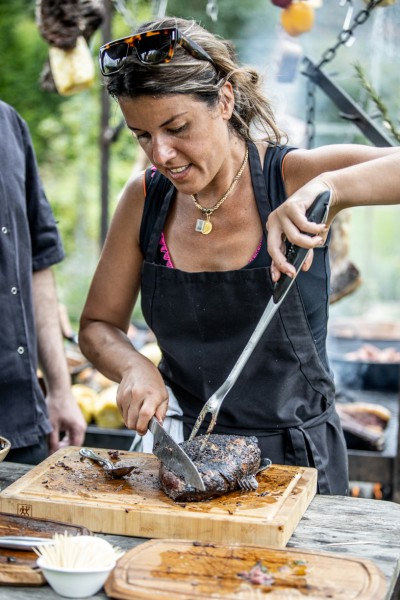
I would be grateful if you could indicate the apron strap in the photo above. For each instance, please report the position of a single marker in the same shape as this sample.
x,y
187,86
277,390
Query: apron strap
x,y
265,178
159,226
259,187
159,194
297,451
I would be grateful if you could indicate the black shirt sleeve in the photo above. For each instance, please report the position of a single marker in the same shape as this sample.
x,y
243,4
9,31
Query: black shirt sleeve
x,y
46,243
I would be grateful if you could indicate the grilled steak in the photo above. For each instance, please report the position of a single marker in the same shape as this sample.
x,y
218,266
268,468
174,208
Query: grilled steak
x,y
224,460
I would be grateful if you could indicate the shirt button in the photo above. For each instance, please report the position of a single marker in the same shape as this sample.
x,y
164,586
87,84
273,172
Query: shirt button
x,y
21,350
14,290
4,230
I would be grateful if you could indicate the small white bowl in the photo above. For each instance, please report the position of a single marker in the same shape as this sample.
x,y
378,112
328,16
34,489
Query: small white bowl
x,y
73,583
5,446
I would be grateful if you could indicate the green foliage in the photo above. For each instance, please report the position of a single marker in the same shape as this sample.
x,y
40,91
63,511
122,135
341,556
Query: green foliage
x,y
23,55
233,16
65,133
72,179
245,24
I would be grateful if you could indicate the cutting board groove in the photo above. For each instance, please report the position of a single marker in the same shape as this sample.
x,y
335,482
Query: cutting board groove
x,y
63,487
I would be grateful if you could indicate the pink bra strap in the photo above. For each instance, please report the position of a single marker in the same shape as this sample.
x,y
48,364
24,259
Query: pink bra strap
x,y
256,252
165,252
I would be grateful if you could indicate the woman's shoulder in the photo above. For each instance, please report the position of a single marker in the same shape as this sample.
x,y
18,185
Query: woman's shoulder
x,y
134,188
269,151
130,203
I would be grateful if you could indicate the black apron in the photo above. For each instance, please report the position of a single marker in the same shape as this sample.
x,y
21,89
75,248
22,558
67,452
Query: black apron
x,y
202,322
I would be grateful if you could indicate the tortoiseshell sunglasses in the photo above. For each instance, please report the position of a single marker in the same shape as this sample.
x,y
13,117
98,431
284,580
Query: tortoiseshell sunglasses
x,y
152,48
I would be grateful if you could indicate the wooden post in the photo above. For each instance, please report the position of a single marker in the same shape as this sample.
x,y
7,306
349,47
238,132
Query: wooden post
x,y
105,141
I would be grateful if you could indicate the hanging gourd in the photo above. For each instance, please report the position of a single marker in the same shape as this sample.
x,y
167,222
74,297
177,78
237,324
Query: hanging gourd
x,y
67,26
282,3
298,18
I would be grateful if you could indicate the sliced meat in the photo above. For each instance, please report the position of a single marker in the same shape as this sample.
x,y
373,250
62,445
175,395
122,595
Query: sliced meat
x,y
224,460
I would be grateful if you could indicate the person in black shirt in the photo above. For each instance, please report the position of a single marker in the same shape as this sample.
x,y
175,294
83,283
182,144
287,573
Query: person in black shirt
x,y
29,325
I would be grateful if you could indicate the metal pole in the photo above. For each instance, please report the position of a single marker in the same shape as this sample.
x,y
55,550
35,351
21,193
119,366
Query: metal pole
x,y
350,110
105,141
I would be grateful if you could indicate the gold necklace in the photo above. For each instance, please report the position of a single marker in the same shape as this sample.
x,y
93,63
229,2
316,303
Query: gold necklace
x,y
205,226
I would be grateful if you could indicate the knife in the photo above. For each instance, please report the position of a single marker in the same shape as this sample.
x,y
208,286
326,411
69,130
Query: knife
x,y
21,542
173,456
317,213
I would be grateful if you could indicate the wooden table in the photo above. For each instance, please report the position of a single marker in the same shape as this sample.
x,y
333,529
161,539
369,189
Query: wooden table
x,y
348,526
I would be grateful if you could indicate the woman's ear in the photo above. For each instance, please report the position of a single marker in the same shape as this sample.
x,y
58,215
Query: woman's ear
x,y
226,100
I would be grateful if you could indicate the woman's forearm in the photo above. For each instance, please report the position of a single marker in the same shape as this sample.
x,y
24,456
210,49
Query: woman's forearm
x,y
108,349
372,182
141,392
376,182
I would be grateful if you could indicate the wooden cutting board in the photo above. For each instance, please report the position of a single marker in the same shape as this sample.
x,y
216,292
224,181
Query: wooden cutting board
x,y
183,570
66,488
19,567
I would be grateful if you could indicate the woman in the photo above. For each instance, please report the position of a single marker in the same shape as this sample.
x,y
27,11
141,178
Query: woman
x,y
190,236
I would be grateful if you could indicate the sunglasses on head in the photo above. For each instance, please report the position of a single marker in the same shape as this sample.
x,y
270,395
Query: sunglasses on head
x,y
152,48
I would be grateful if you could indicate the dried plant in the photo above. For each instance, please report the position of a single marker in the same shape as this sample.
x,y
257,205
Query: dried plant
x,y
377,100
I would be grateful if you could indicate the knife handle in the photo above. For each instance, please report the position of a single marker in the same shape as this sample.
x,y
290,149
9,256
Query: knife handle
x,y
296,255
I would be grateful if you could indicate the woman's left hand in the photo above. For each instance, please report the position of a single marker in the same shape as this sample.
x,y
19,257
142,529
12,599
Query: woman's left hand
x,y
289,222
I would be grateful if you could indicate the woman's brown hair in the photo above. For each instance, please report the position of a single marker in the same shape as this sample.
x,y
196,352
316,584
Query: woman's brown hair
x,y
252,117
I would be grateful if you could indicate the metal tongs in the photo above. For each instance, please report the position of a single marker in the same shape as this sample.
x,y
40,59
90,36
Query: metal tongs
x,y
116,471
317,213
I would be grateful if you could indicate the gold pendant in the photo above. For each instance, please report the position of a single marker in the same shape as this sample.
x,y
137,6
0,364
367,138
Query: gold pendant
x,y
204,227
207,228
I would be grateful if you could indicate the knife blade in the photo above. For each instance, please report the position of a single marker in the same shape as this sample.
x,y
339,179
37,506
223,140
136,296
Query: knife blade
x,y
317,213
173,456
21,542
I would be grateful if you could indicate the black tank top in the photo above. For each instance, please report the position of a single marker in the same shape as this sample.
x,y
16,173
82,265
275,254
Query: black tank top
x,y
315,302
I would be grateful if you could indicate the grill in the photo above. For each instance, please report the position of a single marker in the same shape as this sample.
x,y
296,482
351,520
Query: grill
x,y
373,473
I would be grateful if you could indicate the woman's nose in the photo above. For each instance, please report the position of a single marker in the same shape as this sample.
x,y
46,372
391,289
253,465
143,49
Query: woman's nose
x,y
163,152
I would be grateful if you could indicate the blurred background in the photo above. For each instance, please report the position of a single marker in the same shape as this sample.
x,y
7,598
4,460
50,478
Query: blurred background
x,y
85,155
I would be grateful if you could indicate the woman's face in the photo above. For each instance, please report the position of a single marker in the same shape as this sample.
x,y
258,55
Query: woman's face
x,y
184,138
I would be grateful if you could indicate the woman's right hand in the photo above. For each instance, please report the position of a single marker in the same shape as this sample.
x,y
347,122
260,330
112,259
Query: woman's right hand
x,y
289,222
141,395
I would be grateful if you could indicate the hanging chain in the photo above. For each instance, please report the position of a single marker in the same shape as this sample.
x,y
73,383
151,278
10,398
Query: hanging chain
x,y
344,36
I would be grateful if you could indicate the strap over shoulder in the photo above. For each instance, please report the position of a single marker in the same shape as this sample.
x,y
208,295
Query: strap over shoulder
x,y
156,188
273,173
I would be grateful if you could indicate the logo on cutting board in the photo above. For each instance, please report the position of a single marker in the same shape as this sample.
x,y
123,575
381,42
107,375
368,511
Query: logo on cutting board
x,y
24,510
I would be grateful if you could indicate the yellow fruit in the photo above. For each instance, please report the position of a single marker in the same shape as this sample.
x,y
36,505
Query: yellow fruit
x,y
86,398
93,379
72,69
298,18
152,352
106,413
